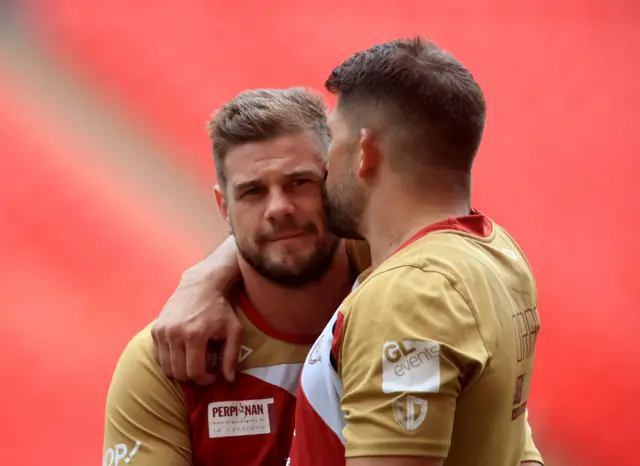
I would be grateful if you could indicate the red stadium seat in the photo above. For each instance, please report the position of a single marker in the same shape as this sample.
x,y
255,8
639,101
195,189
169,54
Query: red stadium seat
x,y
85,266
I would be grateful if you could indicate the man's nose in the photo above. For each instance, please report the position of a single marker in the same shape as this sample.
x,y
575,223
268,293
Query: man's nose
x,y
279,205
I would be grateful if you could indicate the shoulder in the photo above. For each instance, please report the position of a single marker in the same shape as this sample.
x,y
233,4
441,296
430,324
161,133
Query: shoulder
x,y
138,353
138,375
466,260
406,296
145,411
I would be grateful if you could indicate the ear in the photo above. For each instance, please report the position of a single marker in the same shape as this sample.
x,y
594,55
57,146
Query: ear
x,y
370,156
222,207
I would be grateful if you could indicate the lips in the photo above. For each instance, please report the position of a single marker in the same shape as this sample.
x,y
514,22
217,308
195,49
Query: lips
x,y
287,236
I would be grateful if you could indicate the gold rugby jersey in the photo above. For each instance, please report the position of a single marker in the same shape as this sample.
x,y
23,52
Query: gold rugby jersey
x,y
430,356
152,420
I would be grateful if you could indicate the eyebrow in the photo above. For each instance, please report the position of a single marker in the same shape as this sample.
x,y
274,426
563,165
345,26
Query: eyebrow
x,y
293,174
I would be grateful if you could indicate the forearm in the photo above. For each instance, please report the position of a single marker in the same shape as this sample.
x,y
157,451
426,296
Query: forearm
x,y
219,269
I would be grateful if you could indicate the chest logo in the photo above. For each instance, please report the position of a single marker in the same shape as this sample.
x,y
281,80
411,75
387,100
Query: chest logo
x,y
244,353
239,418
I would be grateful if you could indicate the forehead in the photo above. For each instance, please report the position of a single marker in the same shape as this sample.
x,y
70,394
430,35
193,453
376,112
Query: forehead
x,y
276,157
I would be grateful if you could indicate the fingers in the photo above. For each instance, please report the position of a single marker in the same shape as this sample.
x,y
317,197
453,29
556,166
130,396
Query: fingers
x,y
162,351
178,361
231,349
196,361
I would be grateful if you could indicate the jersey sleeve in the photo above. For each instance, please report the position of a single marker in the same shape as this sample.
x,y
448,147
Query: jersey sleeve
x,y
359,254
408,342
531,452
146,417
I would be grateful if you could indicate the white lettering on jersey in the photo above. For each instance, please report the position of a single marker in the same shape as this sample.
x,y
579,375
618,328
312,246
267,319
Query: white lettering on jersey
x,y
115,454
322,386
411,366
238,418
410,411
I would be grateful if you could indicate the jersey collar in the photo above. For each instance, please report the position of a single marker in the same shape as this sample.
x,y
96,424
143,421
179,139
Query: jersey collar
x,y
265,327
476,224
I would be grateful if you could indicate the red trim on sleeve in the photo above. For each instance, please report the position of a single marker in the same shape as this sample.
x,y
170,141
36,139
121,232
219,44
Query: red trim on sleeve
x,y
337,338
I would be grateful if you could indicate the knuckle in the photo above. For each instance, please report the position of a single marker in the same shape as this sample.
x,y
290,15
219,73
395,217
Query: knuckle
x,y
235,327
194,333
157,331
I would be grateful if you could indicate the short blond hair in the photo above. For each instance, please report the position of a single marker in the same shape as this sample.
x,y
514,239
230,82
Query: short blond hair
x,y
263,114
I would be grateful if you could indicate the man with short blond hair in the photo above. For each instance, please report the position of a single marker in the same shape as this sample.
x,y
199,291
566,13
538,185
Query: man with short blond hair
x,y
270,150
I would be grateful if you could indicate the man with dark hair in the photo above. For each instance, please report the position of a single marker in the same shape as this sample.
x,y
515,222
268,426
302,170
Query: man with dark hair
x,y
428,361
442,332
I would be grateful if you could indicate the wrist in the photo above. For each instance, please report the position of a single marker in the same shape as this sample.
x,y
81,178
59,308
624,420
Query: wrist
x,y
218,272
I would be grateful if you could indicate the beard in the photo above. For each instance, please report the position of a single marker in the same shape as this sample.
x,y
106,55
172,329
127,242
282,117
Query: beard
x,y
344,204
305,268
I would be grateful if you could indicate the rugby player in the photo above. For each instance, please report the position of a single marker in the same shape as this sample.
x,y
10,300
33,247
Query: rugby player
x,y
443,331
270,152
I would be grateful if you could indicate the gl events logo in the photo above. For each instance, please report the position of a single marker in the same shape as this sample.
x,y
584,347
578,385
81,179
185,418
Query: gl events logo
x,y
411,365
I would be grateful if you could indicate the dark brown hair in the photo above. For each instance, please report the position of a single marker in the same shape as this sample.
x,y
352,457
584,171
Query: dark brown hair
x,y
263,114
419,92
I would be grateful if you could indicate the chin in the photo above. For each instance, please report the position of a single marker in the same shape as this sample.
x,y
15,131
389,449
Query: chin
x,y
289,261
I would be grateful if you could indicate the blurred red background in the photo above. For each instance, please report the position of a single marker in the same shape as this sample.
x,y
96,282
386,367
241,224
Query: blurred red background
x,y
106,175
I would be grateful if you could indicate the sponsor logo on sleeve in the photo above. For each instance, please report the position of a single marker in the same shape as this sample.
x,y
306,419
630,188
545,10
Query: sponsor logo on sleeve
x,y
410,411
119,454
411,366
315,355
239,418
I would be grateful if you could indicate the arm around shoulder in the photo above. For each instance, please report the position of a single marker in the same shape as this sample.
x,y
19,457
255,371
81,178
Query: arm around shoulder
x,y
146,416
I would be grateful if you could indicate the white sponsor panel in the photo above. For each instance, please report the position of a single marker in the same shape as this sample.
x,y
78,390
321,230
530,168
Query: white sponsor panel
x,y
410,412
411,366
285,376
119,454
239,418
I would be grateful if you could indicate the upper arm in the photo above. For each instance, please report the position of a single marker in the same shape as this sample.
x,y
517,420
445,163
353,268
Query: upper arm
x,y
408,341
146,416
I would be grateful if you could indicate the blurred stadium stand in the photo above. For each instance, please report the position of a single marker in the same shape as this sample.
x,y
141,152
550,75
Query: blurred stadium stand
x,y
105,177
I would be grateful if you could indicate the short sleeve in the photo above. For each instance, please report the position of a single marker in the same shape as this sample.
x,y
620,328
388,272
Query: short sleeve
x,y
531,452
359,254
146,416
408,341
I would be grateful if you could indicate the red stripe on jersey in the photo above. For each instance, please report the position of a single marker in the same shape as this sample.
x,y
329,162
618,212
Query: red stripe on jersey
x,y
337,339
314,442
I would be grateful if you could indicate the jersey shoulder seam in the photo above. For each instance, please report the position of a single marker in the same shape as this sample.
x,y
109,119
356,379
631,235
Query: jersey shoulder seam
x,y
451,282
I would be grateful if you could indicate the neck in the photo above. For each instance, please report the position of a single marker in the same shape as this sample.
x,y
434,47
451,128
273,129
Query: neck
x,y
304,310
386,229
